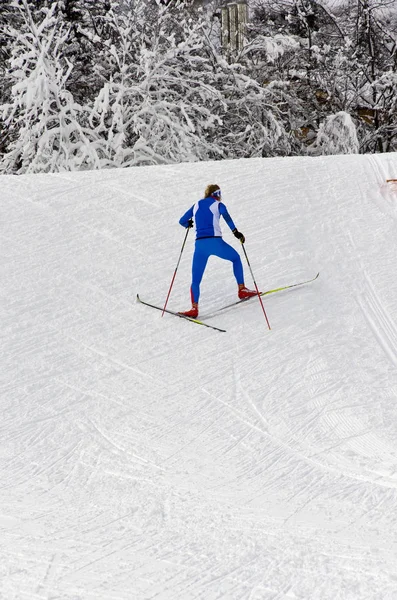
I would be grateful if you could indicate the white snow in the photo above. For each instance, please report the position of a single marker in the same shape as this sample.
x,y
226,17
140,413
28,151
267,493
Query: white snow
x,y
144,457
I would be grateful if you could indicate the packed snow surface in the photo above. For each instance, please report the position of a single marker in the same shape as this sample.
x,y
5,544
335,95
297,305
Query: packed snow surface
x,y
146,457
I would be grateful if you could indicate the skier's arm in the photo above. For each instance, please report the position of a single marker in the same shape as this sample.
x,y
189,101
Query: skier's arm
x,y
229,221
226,216
186,220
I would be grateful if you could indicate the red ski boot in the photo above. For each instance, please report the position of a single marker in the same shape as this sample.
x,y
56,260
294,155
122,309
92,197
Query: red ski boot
x,y
244,293
192,313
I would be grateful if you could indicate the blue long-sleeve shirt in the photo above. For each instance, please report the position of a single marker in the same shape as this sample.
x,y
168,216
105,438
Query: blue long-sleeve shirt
x,y
206,214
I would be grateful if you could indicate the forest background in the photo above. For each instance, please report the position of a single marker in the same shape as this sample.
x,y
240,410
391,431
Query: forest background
x,y
94,84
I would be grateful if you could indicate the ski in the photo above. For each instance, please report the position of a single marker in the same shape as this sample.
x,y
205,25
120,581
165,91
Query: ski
x,y
279,289
171,312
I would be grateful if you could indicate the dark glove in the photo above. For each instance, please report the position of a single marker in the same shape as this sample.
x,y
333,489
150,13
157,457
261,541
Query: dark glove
x,y
189,224
238,235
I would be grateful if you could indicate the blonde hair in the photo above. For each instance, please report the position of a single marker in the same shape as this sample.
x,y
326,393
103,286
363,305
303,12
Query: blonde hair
x,y
210,189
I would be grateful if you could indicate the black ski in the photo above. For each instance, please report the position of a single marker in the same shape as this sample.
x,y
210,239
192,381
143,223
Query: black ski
x,y
170,312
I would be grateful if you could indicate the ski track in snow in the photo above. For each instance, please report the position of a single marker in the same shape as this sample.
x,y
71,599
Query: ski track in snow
x,y
144,457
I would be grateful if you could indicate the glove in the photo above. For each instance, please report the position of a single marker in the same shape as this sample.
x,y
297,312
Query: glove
x,y
238,235
189,224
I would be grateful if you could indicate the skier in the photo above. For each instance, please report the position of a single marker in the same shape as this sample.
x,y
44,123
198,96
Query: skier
x,y
209,242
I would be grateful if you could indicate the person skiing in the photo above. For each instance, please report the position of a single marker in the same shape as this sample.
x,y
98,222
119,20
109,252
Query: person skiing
x,y
206,214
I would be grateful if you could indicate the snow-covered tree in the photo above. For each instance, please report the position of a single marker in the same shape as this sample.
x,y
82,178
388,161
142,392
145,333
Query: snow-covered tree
x,y
374,57
159,104
252,123
89,30
337,135
384,136
134,82
43,121
345,48
177,107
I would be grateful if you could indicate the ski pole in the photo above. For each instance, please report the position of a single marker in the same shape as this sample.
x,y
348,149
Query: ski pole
x,y
256,287
176,268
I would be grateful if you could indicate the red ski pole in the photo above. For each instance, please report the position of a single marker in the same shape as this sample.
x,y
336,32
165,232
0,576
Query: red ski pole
x,y
256,287
176,268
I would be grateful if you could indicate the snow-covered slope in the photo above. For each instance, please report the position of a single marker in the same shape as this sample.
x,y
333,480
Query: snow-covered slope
x,y
144,457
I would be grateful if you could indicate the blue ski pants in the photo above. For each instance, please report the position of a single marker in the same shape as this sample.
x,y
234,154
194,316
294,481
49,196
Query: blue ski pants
x,y
213,246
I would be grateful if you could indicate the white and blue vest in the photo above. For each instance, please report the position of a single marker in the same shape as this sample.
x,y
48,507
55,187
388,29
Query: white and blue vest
x,y
206,214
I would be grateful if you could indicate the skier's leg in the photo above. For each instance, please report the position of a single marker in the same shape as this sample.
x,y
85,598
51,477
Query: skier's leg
x,y
200,259
227,252
202,251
